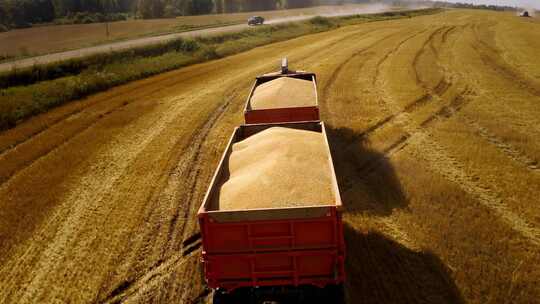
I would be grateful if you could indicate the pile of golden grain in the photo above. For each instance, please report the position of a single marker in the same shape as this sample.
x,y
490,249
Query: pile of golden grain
x,y
284,92
278,167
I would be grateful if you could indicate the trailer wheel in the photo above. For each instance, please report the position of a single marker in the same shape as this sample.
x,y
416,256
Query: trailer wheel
x,y
330,294
335,293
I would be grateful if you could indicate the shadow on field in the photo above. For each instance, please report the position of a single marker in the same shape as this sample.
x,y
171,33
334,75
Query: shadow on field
x,y
355,165
380,270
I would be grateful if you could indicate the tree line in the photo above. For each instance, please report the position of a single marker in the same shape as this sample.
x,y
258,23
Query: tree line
x,y
24,13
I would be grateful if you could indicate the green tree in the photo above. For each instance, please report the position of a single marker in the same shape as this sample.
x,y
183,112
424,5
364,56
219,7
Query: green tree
x,y
126,6
170,11
150,8
218,5
42,11
259,5
18,11
232,6
299,3
3,13
200,7
144,9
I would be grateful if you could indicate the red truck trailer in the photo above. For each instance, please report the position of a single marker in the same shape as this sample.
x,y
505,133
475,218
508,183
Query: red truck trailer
x,y
290,113
276,254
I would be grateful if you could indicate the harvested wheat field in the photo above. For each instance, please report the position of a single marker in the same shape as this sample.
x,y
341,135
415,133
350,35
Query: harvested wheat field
x,y
284,92
433,123
278,168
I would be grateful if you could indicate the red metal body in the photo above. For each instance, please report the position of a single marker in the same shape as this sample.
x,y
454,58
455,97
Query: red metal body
x,y
287,252
276,115
281,115
271,247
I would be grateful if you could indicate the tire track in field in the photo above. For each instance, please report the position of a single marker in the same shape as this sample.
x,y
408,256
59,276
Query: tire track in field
x,y
444,112
443,85
338,70
443,163
414,105
427,43
450,168
25,163
439,160
395,230
418,136
192,178
447,111
56,219
492,58
101,101
83,199
367,167
507,149
391,53
411,107
154,276
370,166
67,137
175,196
29,262
511,152
445,32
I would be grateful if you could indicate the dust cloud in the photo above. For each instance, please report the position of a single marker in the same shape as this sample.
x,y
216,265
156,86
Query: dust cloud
x,y
335,12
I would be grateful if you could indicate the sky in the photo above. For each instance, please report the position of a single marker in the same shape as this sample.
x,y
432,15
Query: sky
x,y
520,3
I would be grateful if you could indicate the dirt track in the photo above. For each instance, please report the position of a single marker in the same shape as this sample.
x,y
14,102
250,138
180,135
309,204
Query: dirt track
x,y
434,125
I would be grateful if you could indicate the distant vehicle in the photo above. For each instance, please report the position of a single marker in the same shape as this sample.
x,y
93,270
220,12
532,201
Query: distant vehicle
x,y
255,20
524,14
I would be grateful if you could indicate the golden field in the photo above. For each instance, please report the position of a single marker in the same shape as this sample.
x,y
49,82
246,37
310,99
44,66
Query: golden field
x,y
434,126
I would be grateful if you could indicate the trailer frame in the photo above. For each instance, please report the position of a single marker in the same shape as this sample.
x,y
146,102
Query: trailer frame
x,y
289,114
290,246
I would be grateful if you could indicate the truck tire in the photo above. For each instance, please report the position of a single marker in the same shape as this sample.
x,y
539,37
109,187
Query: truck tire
x,y
221,298
335,293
